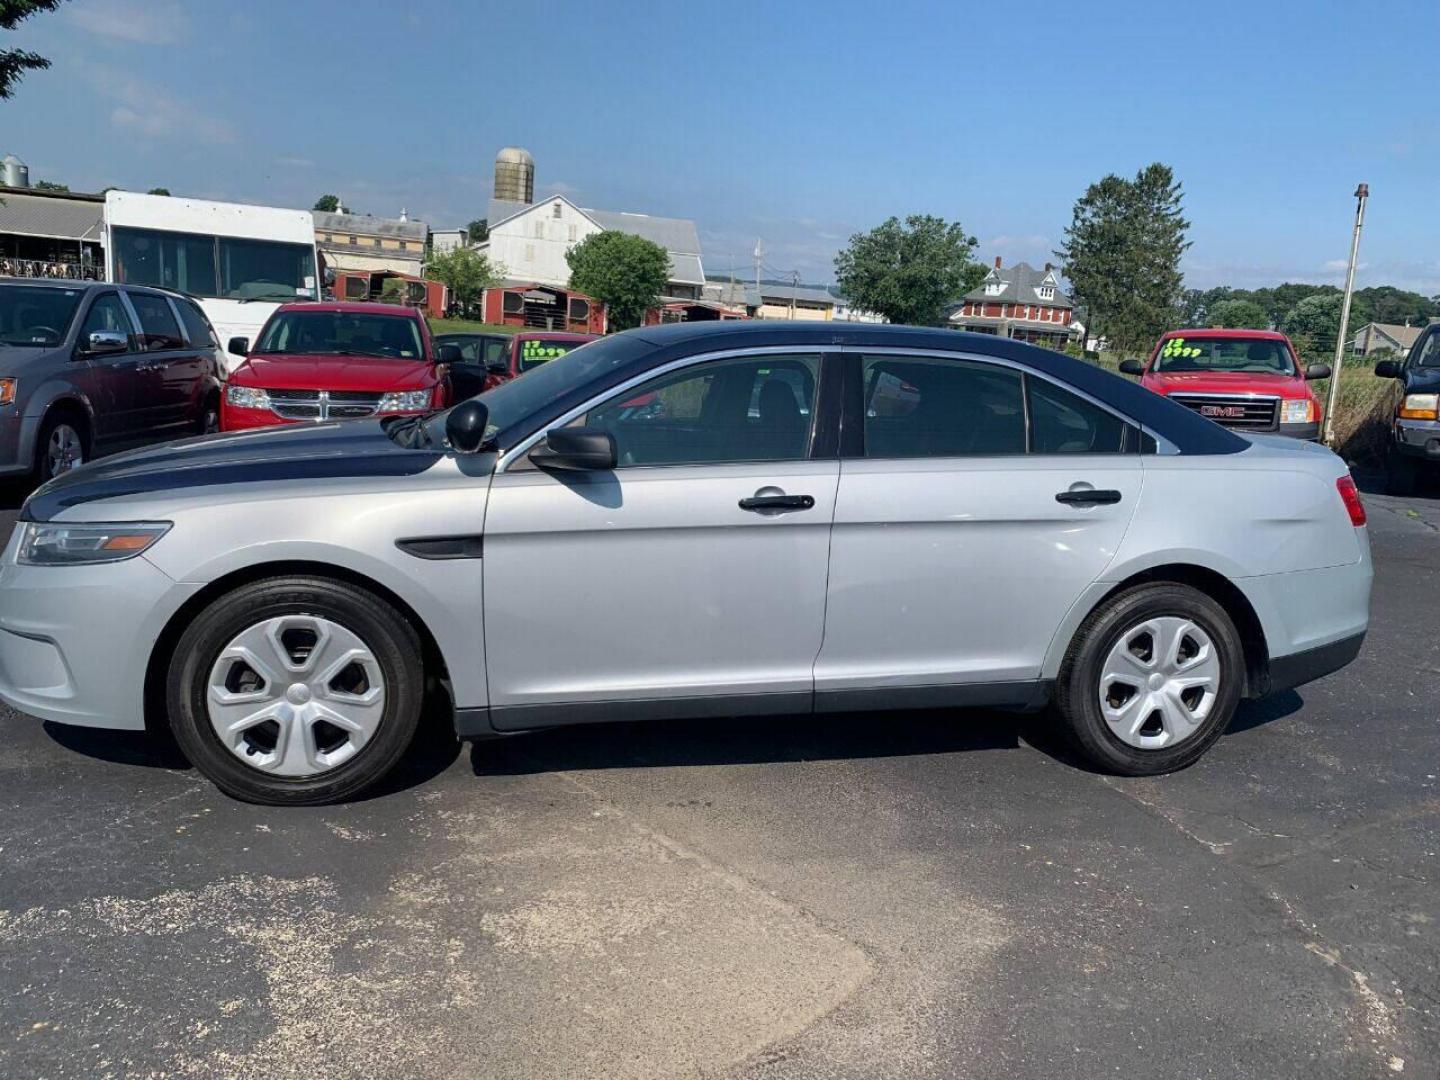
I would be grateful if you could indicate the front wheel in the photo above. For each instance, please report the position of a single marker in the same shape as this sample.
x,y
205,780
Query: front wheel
x,y
1152,679
62,446
296,690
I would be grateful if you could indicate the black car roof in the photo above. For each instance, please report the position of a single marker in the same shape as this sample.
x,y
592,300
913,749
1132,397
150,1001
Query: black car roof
x,y
1189,432
77,283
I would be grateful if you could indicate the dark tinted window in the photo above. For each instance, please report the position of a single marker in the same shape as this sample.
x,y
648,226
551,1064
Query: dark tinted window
x,y
197,326
106,313
35,315
745,409
180,261
1427,352
1064,423
158,329
266,270
921,407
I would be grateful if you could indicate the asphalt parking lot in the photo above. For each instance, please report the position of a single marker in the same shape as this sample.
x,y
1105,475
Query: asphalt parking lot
x,y
909,895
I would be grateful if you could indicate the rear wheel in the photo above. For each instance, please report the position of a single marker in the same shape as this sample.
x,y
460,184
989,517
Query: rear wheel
x,y
296,691
62,445
1153,677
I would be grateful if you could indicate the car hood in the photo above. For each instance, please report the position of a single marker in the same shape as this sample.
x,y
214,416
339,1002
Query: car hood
x,y
1225,382
348,449
280,371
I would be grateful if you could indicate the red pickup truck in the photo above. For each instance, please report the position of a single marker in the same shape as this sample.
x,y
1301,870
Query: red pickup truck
x,y
336,361
1250,380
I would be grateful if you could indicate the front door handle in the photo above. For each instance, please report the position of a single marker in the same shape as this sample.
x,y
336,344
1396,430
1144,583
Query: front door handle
x,y
1088,497
777,502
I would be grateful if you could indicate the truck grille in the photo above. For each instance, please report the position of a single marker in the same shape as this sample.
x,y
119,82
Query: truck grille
x,y
323,404
1251,413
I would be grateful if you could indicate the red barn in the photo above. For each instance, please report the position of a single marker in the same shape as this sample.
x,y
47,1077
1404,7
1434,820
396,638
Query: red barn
x,y
543,307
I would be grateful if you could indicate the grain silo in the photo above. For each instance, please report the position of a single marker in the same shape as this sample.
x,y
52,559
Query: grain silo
x,y
515,175
14,173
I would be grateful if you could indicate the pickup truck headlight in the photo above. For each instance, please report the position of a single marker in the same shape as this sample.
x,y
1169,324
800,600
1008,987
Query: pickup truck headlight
x,y
246,397
46,543
1420,407
405,401
1297,412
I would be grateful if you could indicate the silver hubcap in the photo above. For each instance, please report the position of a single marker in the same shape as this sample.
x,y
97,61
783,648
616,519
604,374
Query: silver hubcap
x,y
64,451
1159,682
296,696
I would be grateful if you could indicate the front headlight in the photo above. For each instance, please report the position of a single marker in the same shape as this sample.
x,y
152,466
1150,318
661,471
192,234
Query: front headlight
x,y
7,390
47,543
405,401
246,397
1420,406
1297,412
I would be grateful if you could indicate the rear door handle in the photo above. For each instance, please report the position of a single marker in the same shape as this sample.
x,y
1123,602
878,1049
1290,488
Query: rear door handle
x,y
1089,497
778,502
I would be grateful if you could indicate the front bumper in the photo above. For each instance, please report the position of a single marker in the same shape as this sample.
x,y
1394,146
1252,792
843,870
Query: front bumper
x,y
1307,432
17,443
75,641
1417,438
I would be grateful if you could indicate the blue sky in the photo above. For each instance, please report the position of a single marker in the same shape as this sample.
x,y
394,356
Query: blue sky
x,y
798,123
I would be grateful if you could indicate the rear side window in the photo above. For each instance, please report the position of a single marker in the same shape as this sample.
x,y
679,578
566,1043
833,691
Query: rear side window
x,y
932,407
1065,423
158,329
197,326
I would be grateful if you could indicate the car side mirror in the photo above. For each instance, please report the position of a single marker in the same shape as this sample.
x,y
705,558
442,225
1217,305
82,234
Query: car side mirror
x,y
448,354
1390,369
1132,367
465,426
578,448
1317,371
240,346
102,342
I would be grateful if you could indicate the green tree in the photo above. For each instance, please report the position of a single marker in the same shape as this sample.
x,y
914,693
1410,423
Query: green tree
x,y
1238,314
1387,304
15,62
908,271
327,204
1313,324
50,185
1122,255
158,191
626,272
465,272
478,231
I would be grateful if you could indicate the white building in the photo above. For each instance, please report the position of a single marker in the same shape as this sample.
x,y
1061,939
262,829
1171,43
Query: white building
x,y
447,240
529,243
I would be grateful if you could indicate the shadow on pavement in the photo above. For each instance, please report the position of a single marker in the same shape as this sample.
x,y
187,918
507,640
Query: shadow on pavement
x,y
122,747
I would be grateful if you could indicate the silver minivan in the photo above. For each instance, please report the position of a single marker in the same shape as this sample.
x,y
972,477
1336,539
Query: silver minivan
x,y
88,368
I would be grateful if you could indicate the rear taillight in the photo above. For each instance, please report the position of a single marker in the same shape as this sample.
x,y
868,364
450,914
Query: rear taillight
x,y
1350,496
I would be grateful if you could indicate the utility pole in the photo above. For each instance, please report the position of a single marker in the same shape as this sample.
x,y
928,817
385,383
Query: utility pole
x,y
794,284
1362,195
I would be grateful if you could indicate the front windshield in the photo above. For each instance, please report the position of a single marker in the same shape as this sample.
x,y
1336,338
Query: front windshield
x,y
215,266
36,315
341,333
1257,355
537,351
562,383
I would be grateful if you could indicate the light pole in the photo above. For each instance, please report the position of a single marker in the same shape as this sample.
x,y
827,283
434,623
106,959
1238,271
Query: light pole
x,y
1362,193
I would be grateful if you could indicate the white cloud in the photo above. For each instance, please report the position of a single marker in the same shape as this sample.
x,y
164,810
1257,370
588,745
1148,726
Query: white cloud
x,y
153,22
295,162
154,112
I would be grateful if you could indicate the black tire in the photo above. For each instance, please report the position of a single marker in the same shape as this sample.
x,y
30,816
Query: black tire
x,y
1077,692
390,637
209,422
73,419
1402,473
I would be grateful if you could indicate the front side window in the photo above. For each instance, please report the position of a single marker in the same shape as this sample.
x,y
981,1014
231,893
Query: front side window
x,y
106,314
1427,353
170,260
265,270
158,328
1259,356
754,408
341,333
932,407
36,315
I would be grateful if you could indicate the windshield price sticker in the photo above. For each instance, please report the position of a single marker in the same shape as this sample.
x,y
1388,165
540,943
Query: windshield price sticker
x,y
1177,347
541,350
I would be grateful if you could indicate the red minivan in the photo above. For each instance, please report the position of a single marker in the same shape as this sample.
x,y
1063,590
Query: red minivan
x,y
1249,380
336,361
